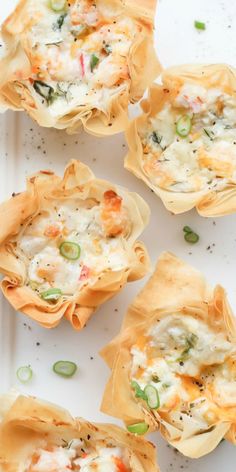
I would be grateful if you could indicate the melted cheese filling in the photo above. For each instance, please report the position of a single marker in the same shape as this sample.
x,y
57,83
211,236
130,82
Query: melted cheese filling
x,y
77,456
190,367
97,230
79,55
206,157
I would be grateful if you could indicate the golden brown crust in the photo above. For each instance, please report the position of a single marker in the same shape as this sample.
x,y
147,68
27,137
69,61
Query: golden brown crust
x,y
16,67
175,287
29,424
78,182
208,203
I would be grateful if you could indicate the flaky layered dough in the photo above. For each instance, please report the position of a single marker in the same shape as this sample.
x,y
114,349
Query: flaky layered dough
x,y
78,183
29,424
109,119
208,203
175,287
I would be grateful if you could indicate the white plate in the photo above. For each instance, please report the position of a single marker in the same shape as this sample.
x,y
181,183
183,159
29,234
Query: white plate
x,y
25,148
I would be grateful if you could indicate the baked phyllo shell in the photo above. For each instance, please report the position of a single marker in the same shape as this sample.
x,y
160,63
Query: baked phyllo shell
x,y
32,428
197,170
175,296
69,244
49,97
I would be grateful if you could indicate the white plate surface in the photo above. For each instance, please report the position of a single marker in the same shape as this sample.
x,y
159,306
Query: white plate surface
x,y
25,148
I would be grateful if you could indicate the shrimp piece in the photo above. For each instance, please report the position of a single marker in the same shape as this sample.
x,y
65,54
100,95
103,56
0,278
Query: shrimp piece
x,y
52,231
113,217
47,273
85,13
121,467
111,71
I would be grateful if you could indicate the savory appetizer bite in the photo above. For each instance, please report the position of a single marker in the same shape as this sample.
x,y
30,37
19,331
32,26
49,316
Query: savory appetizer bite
x,y
81,62
175,361
69,244
36,436
184,144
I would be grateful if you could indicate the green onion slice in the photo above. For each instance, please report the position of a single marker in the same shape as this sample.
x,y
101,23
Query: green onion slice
x,y
187,229
93,62
64,368
199,25
138,428
24,374
183,126
70,250
153,400
57,5
191,237
51,294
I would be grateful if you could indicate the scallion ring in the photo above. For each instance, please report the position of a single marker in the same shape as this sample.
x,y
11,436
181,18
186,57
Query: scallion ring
x,y
57,5
52,294
200,25
24,374
153,400
64,368
183,126
138,428
190,236
70,250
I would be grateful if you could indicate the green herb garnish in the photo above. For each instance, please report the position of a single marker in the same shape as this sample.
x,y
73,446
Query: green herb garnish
x,y
190,236
138,428
152,397
139,393
52,294
157,138
183,126
24,374
59,23
65,368
209,133
191,342
93,62
155,378
70,250
45,90
199,25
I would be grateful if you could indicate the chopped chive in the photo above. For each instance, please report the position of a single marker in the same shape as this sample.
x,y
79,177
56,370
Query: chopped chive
x,y
93,62
24,374
199,25
64,368
138,428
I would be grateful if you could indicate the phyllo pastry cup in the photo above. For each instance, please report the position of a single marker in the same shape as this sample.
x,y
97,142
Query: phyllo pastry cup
x,y
36,436
174,363
183,146
69,244
73,63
